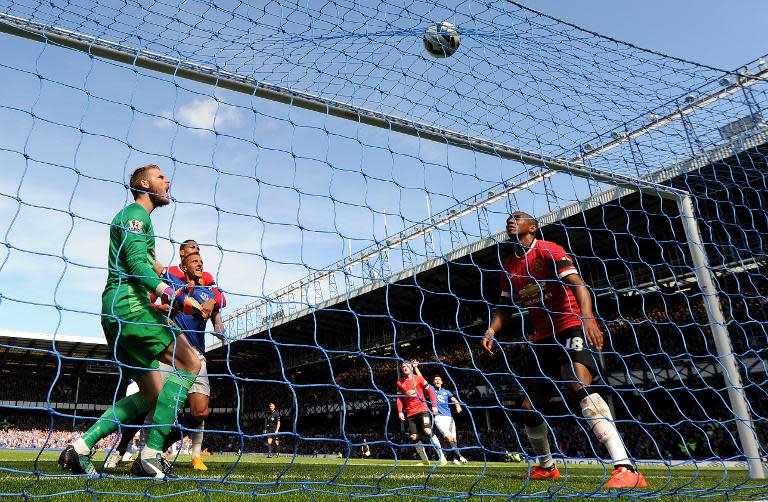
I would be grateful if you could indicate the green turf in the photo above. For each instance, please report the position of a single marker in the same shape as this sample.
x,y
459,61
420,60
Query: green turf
x,y
256,478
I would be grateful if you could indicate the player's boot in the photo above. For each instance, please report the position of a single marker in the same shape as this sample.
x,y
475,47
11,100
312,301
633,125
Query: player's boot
x,y
198,465
70,460
112,460
157,467
463,460
538,472
457,461
625,478
442,460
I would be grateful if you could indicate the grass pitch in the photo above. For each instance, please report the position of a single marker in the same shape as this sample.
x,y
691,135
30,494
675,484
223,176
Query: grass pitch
x,y
25,476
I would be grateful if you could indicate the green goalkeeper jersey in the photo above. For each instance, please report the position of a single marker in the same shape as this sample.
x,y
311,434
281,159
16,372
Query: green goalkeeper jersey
x,y
131,278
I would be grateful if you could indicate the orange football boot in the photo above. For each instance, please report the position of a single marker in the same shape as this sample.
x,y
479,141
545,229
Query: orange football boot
x,y
624,478
539,472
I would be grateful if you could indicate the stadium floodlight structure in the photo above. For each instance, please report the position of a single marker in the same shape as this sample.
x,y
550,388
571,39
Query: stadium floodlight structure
x,y
179,68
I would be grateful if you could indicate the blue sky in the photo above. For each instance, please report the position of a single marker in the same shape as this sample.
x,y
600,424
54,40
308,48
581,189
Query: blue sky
x,y
721,34
274,192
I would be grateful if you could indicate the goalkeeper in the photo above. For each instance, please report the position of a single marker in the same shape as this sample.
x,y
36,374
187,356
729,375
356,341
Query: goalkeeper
x,y
138,335
540,277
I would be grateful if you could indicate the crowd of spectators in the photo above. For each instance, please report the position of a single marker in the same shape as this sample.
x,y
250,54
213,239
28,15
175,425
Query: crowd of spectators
x,y
37,432
655,331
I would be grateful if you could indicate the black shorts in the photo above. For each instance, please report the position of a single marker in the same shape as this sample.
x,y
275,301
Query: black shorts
x,y
417,423
542,368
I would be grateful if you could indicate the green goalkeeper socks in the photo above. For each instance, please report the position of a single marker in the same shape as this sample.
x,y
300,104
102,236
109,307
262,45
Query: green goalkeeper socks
x,y
172,398
123,411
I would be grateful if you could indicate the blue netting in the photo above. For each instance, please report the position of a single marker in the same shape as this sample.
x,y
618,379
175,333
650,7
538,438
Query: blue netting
x,y
274,193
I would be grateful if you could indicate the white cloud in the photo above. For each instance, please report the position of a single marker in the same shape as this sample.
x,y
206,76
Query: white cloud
x,y
202,113
207,113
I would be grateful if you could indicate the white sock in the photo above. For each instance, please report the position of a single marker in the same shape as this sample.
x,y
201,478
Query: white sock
x,y
197,440
439,449
80,447
422,453
594,408
606,433
147,453
538,437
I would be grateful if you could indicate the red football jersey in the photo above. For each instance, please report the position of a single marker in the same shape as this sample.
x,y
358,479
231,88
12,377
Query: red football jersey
x,y
412,396
536,282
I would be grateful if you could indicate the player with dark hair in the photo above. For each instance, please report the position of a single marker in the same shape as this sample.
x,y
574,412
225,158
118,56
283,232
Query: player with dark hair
x,y
138,335
190,246
444,419
188,316
272,427
541,277
413,408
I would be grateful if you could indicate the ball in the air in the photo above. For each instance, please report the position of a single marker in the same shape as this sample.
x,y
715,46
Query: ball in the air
x,y
441,40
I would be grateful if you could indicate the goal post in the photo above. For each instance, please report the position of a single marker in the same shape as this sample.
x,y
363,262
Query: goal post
x,y
738,400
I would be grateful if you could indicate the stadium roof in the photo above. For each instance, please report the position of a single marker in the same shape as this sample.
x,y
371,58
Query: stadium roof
x,y
41,348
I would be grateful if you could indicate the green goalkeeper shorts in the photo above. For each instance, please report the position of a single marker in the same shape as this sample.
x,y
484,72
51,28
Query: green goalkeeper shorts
x,y
137,339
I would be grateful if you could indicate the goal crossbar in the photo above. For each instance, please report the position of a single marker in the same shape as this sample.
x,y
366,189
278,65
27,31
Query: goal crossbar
x,y
141,58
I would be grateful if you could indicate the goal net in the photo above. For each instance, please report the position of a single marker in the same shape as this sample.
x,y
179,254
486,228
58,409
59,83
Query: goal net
x,y
349,193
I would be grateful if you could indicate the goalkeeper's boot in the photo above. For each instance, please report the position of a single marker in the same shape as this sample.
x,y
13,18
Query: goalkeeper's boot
x,y
198,465
538,472
113,460
70,460
155,467
626,478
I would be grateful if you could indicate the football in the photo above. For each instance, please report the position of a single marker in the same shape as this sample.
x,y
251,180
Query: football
x,y
441,40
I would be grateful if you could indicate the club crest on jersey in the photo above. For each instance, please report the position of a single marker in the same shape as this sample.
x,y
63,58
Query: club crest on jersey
x,y
537,265
134,226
